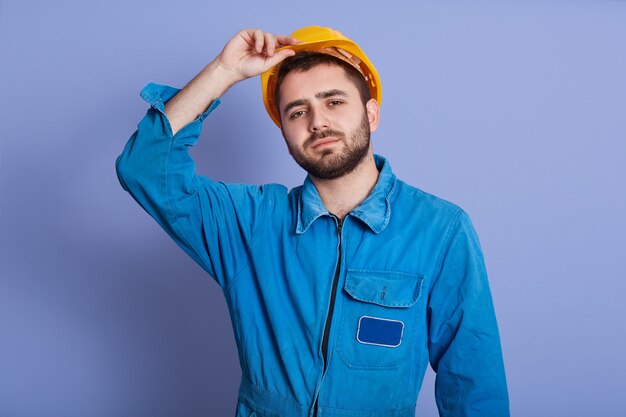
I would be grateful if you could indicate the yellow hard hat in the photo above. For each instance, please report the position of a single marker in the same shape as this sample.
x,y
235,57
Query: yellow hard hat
x,y
329,41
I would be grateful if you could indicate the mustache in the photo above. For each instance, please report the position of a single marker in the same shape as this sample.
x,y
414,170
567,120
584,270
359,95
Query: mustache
x,y
323,134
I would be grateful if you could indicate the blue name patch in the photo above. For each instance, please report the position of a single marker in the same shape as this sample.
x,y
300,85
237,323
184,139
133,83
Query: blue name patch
x,y
380,332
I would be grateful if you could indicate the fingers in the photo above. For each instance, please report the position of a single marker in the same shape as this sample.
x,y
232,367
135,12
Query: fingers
x,y
258,40
278,57
286,40
270,44
266,42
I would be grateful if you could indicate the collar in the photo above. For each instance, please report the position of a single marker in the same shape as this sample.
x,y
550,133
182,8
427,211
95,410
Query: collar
x,y
374,211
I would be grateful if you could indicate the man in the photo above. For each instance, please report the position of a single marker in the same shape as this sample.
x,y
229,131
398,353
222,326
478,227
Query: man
x,y
343,289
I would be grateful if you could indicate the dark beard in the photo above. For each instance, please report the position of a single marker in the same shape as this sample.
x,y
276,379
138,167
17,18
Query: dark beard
x,y
331,164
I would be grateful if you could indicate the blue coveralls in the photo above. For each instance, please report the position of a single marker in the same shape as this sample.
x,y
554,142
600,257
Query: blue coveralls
x,y
331,318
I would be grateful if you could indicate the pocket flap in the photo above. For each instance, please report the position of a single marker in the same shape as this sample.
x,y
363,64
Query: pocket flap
x,y
385,288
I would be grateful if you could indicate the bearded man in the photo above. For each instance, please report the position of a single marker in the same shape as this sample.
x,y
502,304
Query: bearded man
x,y
341,291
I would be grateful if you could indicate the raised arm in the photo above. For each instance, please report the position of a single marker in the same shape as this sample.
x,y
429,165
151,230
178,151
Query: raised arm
x,y
211,221
249,53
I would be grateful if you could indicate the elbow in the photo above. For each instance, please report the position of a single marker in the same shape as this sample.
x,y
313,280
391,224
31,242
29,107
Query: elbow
x,y
122,171
127,170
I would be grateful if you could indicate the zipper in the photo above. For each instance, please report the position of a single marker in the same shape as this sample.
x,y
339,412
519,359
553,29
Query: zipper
x,y
331,308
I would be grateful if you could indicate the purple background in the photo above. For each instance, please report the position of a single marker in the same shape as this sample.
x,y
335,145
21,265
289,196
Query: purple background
x,y
513,110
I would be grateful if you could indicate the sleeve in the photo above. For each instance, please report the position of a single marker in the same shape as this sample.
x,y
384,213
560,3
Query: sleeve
x,y
213,222
464,344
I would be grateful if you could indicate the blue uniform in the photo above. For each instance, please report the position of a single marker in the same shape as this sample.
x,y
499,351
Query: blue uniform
x,y
331,317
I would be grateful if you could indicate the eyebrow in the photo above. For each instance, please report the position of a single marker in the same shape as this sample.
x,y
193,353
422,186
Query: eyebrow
x,y
321,95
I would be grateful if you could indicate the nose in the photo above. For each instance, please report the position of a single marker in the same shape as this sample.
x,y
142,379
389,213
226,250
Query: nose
x,y
318,120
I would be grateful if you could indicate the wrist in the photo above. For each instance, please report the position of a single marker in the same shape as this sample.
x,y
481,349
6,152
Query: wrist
x,y
225,75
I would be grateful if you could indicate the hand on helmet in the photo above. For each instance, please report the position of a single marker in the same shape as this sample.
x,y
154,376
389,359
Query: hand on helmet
x,y
252,52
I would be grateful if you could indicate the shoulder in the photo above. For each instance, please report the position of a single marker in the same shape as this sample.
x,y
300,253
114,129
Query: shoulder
x,y
419,201
245,194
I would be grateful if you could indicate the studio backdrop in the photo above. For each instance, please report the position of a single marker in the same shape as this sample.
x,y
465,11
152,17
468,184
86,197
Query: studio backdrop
x,y
513,110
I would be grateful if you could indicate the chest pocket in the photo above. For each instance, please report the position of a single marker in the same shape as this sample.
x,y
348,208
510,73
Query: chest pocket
x,y
379,318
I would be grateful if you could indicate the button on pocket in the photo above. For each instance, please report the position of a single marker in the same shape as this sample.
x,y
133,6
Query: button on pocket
x,y
378,318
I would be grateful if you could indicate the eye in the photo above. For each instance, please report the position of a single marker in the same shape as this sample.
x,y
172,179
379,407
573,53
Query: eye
x,y
335,103
296,114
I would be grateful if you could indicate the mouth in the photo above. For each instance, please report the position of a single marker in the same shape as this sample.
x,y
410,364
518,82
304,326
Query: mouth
x,y
320,143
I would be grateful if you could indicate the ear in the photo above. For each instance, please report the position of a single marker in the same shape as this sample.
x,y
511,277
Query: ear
x,y
373,114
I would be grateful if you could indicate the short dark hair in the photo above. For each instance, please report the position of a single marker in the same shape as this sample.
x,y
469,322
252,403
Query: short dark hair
x,y
305,60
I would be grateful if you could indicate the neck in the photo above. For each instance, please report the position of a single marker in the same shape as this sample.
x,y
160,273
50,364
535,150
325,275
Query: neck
x,y
341,195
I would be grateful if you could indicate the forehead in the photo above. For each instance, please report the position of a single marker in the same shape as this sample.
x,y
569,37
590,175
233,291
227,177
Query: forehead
x,y
305,84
